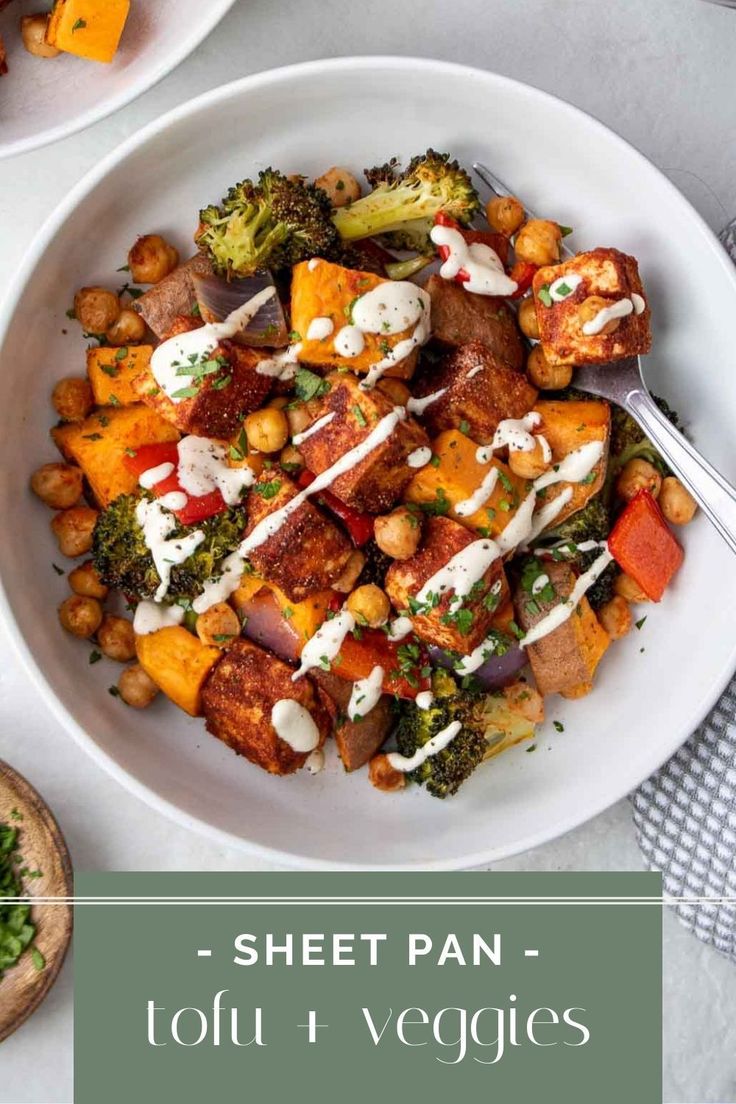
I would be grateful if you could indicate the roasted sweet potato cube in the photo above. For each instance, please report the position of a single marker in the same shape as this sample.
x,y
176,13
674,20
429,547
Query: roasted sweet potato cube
x,y
220,400
178,662
88,28
568,426
568,656
172,296
239,696
377,481
477,392
455,627
604,273
112,373
307,553
459,317
357,741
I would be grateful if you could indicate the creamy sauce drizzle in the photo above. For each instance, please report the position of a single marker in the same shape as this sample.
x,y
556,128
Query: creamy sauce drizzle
x,y
281,365
420,457
571,283
325,644
482,265
320,328
149,617
432,747
399,628
223,585
605,315
314,428
152,476
479,496
424,699
174,500
461,572
349,342
418,406
157,525
294,725
561,612
365,695
203,468
640,304
315,761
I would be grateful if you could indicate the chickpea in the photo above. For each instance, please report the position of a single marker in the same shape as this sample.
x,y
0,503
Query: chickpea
x,y
635,476
529,463
298,417
396,391
546,376
85,580
80,616
291,459
73,529
615,617
538,242
628,588
219,625
369,606
385,777
350,573
116,638
58,485
528,318
591,308
267,430
96,308
340,185
524,700
398,533
151,258
72,398
136,687
33,32
676,502
505,214
280,402
130,329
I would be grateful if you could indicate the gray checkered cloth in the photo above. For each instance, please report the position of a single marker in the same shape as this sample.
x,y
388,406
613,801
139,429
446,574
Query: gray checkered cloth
x,y
685,814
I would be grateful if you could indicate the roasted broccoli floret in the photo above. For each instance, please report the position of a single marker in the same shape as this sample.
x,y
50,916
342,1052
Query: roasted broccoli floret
x,y
406,203
274,224
592,523
629,442
443,773
123,561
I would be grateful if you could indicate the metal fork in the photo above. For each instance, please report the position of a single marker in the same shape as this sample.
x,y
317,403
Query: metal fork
x,y
622,382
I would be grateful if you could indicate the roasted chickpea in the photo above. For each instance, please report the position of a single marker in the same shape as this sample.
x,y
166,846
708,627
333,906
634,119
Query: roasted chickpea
x,y
116,638
546,376
538,242
505,214
298,417
33,32
385,777
219,625
280,402
136,687
267,430
615,617
80,616
580,691
635,476
130,329
291,459
529,463
398,533
395,390
340,185
85,580
58,485
369,606
96,308
528,318
676,502
73,529
72,399
628,588
591,307
151,258
350,573
525,701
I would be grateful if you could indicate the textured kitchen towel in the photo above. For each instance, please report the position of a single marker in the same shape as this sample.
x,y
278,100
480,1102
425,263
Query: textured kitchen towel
x,y
685,814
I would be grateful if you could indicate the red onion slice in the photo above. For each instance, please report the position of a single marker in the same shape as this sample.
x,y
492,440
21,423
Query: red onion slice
x,y
266,625
217,298
496,672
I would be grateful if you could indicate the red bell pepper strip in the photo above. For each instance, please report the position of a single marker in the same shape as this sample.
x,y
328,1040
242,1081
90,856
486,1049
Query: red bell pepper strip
x,y
198,507
402,664
642,544
358,525
523,274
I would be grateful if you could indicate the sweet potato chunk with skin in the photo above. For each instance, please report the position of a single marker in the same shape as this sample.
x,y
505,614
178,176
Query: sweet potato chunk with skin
x,y
307,553
357,741
569,655
609,274
479,392
172,296
238,698
375,483
459,628
112,373
459,316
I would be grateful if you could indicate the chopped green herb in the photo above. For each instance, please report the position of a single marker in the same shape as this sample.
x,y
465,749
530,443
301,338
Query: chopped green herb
x,y
464,427
57,569
308,385
37,959
110,370
268,490
640,623
221,383
122,352
558,726
544,296
95,656
80,23
360,417
566,231
113,690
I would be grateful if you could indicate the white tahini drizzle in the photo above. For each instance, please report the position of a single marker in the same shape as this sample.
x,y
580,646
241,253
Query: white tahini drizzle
x,y
320,328
466,665
424,699
349,342
314,428
366,693
420,457
281,365
203,468
483,266
576,466
418,406
560,613
432,746
157,525
479,496
174,500
325,644
295,725
516,435
152,476
461,572
316,759
605,315
399,628
640,303
557,288
391,309
149,617
219,589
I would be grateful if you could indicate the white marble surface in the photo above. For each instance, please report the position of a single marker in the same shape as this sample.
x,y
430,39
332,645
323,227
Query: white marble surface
x,y
661,73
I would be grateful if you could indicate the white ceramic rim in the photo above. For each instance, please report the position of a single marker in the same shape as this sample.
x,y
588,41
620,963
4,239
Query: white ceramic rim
x,y
10,302
147,79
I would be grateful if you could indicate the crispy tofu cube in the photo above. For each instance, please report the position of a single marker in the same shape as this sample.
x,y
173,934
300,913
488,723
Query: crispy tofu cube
x,y
307,553
238,698
454,627
112,373
376,482
221,399
459,317
321,289
478,392
88,28
604,273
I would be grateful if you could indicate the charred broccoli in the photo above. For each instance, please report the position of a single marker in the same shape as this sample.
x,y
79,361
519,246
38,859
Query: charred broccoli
x,y
629,442
404,204
272,224
120,554
592,523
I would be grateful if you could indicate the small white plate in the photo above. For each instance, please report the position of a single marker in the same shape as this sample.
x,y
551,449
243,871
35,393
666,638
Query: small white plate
x,y
653,688
45,99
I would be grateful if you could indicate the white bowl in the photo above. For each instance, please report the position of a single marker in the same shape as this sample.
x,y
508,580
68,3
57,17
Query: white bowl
x,y
43,100
653,688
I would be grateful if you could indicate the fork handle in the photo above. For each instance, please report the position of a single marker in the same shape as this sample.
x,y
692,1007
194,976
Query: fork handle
x,y
714,494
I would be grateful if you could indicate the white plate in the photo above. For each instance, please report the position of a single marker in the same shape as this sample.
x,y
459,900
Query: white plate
x,y
45,99
653,688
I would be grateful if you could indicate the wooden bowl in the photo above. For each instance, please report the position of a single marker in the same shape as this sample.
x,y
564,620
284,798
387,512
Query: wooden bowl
x,y
42,846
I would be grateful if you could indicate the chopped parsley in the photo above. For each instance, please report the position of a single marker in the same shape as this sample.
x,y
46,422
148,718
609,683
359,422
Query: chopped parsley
x,y
308,385
79,25
360,417
544,296
558,726
268,490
